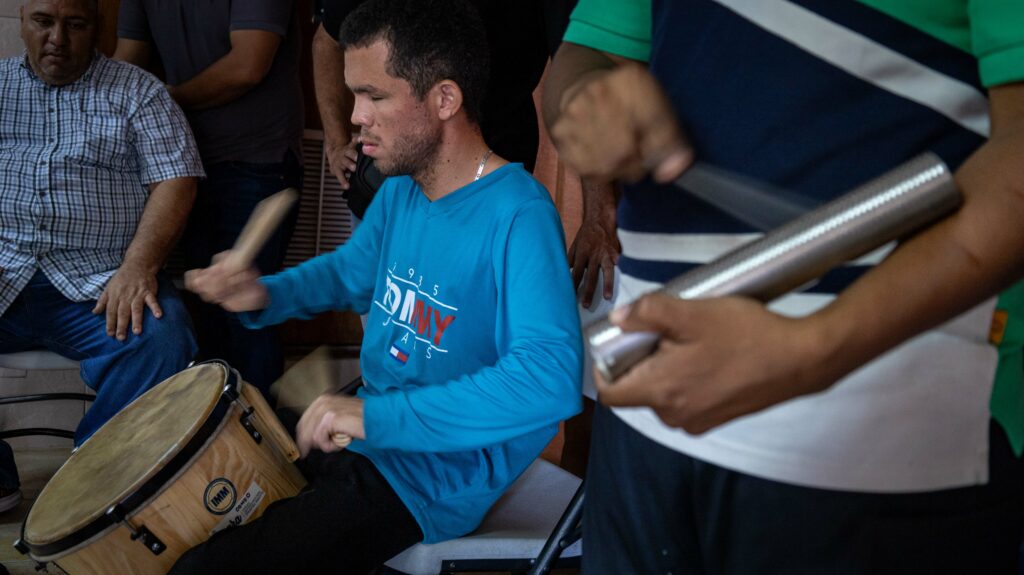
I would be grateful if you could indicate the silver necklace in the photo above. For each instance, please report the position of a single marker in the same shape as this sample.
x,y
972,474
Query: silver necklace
x,y
483,162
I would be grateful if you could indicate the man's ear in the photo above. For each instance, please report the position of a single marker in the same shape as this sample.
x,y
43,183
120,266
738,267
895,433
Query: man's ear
x,y
449,99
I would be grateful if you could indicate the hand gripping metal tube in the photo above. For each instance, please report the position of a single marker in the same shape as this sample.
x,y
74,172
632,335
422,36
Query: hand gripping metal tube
x,y
889,207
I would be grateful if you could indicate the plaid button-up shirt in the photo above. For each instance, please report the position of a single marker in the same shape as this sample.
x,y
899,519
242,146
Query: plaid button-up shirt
x,y
75,165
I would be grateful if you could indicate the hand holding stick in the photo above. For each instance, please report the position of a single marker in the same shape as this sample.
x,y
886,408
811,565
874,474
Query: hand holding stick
x,y
307,380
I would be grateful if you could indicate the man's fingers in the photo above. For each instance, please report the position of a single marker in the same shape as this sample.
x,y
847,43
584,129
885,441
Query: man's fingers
x,y
137,307
111,310
634,388
664,150
341,175
590,284
154,305
674,164
323,435
578,267
124,314
348,164
608,267
654,312
101,304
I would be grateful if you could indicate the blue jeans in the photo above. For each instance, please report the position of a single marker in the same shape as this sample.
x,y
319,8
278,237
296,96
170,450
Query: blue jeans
x,y
224,202
41,317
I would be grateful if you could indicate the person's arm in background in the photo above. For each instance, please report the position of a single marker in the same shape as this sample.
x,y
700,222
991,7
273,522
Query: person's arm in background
x,y
133,37
230,77
334,101
254,44
595,249
136,52
726,357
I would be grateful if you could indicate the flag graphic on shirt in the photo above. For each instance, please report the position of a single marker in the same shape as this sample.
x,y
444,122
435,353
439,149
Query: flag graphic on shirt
x,y
398,354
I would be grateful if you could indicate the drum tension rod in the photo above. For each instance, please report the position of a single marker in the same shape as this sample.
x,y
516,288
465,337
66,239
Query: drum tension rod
x,y
231,392
141,534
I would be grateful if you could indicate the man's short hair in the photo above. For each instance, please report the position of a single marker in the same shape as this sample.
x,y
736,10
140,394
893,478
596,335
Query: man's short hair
x,y
429,41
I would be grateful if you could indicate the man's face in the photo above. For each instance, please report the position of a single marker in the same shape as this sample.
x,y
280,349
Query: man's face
x,y
398,130
60,36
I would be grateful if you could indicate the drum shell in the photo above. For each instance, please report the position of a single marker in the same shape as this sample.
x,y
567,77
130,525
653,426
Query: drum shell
x,y
177,515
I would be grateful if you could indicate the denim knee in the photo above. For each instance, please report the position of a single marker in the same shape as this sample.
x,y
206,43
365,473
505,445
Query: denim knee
x,y
171,336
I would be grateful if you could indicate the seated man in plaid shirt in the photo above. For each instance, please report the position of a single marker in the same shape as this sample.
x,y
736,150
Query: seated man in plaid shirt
x,y
98,173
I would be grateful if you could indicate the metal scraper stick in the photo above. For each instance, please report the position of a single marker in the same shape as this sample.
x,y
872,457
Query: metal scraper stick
x,y
750,201
891,206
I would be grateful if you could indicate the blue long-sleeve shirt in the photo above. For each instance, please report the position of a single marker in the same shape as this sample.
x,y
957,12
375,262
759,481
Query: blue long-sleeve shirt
x,y
472,349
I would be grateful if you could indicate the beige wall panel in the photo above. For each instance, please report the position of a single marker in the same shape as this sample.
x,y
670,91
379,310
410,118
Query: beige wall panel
x,y
10,40
9,8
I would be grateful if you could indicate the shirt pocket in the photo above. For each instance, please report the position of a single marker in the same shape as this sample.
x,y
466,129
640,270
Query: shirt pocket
x,y
105,138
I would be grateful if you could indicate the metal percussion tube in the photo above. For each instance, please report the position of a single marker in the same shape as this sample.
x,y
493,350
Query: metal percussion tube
x,y
909,197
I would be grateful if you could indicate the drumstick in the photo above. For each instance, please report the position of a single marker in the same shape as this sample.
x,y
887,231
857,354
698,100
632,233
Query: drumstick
x,y
261,225
307,380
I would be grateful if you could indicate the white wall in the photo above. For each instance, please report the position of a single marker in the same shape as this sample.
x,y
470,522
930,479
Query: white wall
x,y
10,41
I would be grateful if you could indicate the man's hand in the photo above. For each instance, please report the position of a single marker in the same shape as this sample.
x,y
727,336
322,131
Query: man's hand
x,y
126,296
594,249
618,124
328,416
596,246
718,359
341,158
223,284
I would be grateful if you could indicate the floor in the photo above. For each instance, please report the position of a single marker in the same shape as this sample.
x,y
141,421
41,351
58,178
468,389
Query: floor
x,y
35,466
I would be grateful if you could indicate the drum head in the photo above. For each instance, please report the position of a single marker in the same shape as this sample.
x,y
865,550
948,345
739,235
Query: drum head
x,y
129,449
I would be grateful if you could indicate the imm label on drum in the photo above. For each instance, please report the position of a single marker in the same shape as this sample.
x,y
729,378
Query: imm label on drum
x,y
239,512
220,496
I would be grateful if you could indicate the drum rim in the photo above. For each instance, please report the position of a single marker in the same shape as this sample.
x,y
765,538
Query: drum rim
x,y
151,487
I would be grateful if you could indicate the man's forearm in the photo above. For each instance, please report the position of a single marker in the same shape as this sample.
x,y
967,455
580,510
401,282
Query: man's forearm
x,y
332,97
133,51
600,200
233,75
162,223
946,269
223,82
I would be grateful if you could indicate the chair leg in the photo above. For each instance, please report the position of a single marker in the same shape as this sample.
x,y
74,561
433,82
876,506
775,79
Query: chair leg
x,y
566,533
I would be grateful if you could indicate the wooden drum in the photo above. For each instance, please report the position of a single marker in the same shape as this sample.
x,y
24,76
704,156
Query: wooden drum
x,y
198,453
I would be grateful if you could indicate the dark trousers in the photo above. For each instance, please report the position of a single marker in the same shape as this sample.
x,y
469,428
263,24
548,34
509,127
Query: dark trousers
x,y
224,201
653,510
348,520
41,317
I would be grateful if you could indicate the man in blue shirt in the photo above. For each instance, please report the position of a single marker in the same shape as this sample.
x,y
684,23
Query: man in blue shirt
x,y
98,171
472,350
